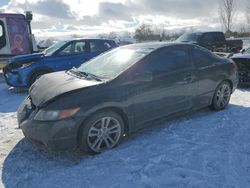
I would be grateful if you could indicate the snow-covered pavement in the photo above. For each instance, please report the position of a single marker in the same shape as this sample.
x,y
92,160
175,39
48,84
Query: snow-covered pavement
x,y
205,149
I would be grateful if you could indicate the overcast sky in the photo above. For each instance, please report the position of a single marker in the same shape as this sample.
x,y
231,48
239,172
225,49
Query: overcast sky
x,y
61,17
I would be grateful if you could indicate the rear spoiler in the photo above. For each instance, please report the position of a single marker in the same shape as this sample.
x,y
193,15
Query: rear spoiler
x,y
226,55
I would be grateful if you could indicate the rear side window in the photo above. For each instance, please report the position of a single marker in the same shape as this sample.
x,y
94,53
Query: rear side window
x,y
99,46
203,58
169,59
2,35
212,37
207,38
218,37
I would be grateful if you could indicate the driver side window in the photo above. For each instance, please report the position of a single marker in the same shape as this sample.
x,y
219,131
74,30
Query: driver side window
x,y
167,60
78,47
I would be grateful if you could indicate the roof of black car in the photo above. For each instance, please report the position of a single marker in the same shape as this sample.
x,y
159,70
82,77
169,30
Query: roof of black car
x,y
202,32
154,45
80,39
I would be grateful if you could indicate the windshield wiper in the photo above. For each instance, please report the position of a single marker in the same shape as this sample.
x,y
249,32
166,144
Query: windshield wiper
x,y
97,78
85,74
77,73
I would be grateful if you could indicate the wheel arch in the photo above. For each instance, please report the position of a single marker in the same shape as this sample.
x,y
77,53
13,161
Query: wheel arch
x,y
230,82
225,80
40,69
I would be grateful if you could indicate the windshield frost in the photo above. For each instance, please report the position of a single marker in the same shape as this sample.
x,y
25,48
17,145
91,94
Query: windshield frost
x,y
111,64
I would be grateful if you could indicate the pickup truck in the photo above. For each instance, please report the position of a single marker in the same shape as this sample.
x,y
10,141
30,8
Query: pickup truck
x,y
214,41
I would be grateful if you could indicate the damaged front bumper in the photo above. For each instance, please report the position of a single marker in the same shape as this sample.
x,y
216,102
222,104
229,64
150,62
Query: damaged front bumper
x,y
58,135
13,77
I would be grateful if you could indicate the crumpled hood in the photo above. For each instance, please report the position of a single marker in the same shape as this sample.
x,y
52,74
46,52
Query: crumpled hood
x,y
52,85
27,58
18,61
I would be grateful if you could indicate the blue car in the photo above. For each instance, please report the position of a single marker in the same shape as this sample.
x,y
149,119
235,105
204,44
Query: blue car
x,y
24,70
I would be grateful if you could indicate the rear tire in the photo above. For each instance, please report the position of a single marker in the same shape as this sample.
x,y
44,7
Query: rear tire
x,y
222,96
102,131
37,75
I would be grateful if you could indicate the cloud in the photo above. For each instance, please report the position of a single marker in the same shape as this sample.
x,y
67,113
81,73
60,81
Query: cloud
x,y
55,8
48,8
106,15
107,12
180,8
131,10
114,10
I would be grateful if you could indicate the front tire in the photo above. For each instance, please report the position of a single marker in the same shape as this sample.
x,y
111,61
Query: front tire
x,y
101,132
222,96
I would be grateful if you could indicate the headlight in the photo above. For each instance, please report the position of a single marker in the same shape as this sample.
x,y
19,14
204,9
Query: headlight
x,y
27,65
44,115
24,65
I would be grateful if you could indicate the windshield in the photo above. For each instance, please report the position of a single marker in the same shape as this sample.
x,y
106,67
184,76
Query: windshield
x,y
49,51
189,37
113,63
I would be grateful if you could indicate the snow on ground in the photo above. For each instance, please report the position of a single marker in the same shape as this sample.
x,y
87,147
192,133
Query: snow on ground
x,y
205,149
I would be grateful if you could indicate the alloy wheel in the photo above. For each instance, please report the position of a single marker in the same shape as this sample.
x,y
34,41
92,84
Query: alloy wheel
x,y
223,95
104,134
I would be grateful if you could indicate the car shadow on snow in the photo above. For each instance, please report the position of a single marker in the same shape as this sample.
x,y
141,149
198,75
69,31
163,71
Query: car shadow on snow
x,y
188,149
11,98
26,162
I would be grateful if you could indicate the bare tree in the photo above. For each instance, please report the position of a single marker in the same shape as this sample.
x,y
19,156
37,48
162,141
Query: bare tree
x,y
144,32
112,35
227,14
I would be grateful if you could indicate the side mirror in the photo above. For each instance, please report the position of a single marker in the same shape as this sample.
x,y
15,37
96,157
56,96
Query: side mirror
x,y
243,51
143,77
